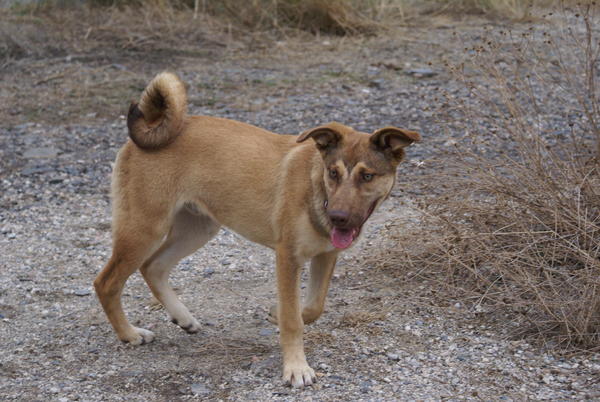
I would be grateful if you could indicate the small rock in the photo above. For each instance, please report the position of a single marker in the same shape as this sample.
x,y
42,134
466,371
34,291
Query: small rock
x,y
41,152
393,356
36,169
200,389
82,292
377,83
336,379
266,366
421,72
55,180
265,332
324,367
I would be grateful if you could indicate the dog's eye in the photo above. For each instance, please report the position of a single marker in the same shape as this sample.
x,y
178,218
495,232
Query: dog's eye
x,y
333,174
367,176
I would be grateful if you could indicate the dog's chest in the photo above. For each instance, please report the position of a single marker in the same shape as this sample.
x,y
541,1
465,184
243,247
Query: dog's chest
x,y
310,242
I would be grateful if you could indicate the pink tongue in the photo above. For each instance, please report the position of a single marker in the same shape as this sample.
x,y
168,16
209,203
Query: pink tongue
x,y
342,238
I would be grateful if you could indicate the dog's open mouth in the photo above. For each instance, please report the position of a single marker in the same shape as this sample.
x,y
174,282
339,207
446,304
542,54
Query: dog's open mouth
x,y
344,237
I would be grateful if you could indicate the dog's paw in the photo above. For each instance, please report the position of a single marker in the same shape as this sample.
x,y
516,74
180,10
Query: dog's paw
x,y
139,336
272,316
191,325
298,375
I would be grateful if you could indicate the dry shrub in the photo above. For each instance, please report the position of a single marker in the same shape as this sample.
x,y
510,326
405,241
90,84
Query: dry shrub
x,y
339,17
514,221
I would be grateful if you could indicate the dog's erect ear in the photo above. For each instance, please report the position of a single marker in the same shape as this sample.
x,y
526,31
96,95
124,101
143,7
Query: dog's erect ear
x,y
325,137
393,140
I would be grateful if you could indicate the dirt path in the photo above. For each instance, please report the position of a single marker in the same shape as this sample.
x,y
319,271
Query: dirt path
x,y
382,338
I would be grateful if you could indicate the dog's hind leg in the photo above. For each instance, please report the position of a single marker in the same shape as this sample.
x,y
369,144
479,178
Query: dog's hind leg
x,y
132,245
189,232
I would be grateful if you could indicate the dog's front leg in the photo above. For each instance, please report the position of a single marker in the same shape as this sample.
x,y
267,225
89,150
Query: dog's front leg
x,y
295,368
321,269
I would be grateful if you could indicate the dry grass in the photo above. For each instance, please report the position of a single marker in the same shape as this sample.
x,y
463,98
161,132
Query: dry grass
x,y
361,318
516,9
60,27
55,32
339,17
514,221
364,321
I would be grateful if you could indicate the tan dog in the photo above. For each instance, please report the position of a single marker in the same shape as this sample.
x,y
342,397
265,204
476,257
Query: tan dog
x,y
182,177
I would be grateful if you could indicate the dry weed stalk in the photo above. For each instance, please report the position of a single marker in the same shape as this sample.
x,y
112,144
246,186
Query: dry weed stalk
x,y
515,220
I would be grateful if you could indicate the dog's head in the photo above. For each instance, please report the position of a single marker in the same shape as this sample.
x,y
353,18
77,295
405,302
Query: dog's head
x,y
359,173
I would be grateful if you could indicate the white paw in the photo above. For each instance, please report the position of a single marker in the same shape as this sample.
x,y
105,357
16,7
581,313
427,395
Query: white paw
x,y
189,324
139,336
298,374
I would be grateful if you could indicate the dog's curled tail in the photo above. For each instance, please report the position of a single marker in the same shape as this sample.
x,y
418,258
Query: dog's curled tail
x,y
160,115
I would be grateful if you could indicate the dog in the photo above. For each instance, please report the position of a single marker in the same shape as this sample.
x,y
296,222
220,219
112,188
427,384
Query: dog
x,y
181,177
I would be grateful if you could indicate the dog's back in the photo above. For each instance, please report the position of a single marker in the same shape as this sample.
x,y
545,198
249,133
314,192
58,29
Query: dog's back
x,y
234,168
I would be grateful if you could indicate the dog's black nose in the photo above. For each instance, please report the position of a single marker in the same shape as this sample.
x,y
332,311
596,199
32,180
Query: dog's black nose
x,y
339,218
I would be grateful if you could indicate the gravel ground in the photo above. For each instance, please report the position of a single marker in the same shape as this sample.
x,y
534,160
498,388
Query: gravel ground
x,y
383,337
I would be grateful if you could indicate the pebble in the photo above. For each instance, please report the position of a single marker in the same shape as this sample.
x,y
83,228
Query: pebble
x,y
200,389
30,170
43,153
377,83
82,292
266,332
421,72
324,367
